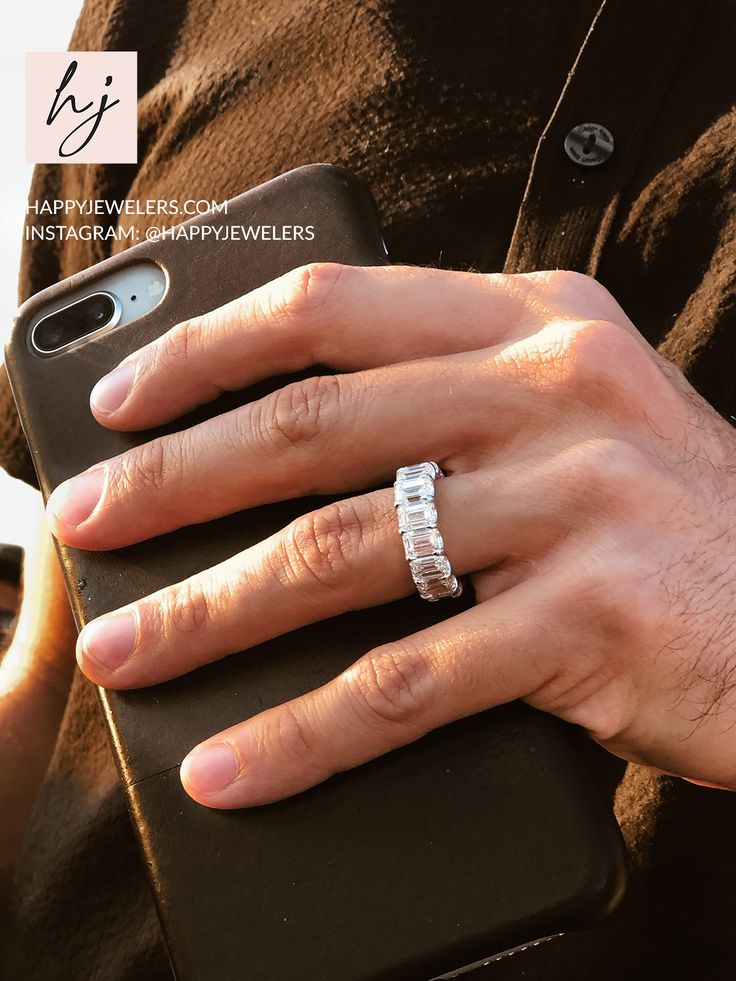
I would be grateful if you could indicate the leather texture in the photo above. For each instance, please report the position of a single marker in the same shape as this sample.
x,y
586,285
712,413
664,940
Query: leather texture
x,y
487,833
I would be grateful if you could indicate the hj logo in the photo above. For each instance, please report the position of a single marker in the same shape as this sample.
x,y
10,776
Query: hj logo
x,y
81,107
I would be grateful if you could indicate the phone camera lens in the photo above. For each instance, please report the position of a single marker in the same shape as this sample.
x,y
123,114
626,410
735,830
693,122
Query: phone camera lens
x,y
73,322
97,312
54,334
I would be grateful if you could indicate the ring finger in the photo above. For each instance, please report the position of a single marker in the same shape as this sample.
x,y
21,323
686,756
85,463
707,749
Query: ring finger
x,y
348,555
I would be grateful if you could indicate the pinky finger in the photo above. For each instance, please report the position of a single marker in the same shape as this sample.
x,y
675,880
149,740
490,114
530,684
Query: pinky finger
x,y
487,655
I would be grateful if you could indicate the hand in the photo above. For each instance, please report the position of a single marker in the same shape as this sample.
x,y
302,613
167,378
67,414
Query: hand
x,y
35,676
590,497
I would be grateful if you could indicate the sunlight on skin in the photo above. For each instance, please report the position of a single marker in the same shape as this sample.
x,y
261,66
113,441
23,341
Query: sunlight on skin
x,y
35,675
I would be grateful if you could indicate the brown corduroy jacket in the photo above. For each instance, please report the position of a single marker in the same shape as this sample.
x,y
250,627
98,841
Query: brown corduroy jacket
x,y
455,116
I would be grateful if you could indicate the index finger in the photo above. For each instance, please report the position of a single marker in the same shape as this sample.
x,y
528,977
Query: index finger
x,y
338,316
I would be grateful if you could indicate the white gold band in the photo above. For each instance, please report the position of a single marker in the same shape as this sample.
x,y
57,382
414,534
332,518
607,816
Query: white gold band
x,y
423,544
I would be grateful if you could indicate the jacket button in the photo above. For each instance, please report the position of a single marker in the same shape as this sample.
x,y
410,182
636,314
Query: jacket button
x,y
589,144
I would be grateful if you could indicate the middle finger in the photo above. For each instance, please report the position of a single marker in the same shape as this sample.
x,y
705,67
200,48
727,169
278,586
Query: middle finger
x,y
323,435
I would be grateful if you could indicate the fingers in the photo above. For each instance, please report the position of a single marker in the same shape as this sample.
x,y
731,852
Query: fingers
x,y
323,435
485,656
343,317
348,555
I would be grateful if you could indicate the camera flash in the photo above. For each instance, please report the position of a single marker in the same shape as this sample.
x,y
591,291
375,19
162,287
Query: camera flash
x,y
154,288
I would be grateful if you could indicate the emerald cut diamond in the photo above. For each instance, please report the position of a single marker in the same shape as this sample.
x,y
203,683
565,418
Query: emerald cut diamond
x,y
424,547
423,542
414,517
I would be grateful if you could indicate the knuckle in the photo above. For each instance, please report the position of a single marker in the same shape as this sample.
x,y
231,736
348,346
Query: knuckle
x,y
588,358
182,343
390,685
310,288
607,483
596,363
242,428
612,595
567,289
571,295
294,310
609,368
291,737
186,610
299,413
145,468
611,467
562,281
322,546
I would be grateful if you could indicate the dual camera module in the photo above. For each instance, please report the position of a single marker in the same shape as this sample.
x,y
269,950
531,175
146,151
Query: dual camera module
x,y
111,302
70,324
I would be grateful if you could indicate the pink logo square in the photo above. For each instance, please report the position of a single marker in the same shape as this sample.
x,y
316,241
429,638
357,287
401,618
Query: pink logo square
x,y
81,107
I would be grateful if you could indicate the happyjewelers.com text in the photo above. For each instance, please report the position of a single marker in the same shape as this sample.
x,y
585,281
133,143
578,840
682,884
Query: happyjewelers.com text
x,y
65,223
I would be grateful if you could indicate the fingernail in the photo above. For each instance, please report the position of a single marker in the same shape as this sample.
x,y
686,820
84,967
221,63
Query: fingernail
x,y
74,501
108,641
210,768
112,390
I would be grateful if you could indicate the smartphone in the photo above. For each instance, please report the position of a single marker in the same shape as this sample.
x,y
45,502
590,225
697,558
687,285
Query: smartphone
x,y
486,834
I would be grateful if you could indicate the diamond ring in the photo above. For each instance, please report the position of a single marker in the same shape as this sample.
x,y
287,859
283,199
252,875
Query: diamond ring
x,y
414,500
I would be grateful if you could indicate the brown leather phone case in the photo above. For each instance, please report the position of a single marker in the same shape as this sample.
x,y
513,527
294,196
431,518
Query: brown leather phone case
x,y
488,833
